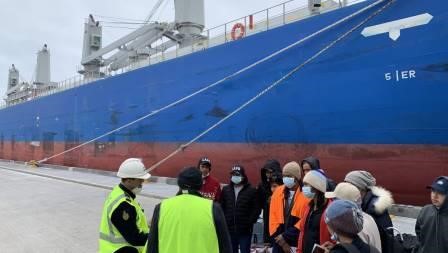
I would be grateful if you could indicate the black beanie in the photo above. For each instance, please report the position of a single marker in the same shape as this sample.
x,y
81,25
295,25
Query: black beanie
x,y
190,178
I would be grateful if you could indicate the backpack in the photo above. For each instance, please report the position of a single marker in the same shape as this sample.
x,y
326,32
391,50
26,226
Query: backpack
x,y
400,243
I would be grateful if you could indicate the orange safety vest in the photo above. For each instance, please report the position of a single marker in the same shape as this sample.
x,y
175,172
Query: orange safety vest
x,y
277,204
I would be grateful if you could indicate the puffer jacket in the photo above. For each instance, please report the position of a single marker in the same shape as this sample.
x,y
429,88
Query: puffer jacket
x,y
376,202
432,229
242,213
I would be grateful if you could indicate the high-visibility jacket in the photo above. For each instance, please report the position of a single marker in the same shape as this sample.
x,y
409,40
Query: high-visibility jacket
x,y
186,224
111,239
276,209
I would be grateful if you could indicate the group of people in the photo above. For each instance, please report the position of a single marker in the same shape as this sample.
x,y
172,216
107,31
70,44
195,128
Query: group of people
x,y
303,211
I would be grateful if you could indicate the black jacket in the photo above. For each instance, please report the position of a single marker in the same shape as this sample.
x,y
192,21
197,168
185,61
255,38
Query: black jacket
x,y
432,229
357,245
376,202
242,214
264,193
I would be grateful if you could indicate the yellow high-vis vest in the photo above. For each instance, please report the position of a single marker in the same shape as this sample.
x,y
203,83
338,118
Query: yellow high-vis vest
x,y
110,238
186,224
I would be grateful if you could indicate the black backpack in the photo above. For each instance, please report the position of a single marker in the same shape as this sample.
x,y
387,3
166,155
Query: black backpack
x,y
401,243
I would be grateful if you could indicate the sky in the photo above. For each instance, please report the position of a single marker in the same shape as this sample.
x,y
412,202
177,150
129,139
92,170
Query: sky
x,y
26,25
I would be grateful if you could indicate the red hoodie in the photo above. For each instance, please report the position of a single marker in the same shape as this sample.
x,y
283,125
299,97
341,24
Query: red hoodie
x,y
211,188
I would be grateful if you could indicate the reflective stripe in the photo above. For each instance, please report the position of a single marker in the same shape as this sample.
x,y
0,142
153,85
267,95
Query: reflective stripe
x,y
112,239
109,210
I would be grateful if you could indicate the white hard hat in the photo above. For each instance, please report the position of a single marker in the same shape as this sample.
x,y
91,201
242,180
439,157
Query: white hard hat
x,y
133,168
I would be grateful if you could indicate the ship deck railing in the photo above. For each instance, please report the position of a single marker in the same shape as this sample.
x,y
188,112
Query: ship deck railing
x,y
270,18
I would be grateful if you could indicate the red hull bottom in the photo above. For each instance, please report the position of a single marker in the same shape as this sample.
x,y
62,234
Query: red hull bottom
x,y
405,170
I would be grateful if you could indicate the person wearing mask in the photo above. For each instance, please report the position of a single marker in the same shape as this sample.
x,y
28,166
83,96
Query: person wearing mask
x,y
312,163
188,222
432,222
313,229
123,225
375,201
345,220
264,192
238,201
369,233
287,203
211,188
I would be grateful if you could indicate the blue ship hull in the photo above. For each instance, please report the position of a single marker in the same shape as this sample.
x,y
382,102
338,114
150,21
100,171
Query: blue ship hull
x,y
368,102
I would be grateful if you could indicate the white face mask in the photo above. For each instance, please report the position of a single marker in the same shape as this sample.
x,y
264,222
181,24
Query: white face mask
x,y
334,237
236,179
289,182
306,190
137,190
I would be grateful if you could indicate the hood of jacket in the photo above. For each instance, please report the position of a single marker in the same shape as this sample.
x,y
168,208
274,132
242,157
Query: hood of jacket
x,y
312,161
272,164
384,199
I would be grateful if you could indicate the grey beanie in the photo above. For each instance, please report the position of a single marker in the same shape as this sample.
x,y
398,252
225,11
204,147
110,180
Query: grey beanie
x,y
345,217
361,179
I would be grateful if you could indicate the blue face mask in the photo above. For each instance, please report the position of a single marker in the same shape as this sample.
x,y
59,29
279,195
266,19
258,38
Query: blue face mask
x,y
289,182
236,179
307,192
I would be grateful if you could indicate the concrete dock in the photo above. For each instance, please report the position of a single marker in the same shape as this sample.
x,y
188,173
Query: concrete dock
x,y
59,210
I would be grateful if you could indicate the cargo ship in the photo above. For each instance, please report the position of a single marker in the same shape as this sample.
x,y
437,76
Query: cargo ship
x,y
358,85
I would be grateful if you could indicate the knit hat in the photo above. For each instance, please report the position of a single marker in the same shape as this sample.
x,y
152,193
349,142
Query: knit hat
x,y
317,180
361,179
344,191
190,179
293,168
344,216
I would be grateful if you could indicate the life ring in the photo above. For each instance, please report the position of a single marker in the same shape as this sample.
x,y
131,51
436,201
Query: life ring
x,y
240,34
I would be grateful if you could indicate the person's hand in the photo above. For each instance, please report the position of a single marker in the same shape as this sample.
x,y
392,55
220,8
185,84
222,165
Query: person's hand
x,y
286,248
283,244
328,246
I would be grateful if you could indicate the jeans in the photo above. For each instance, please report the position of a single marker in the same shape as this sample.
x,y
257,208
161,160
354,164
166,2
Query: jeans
x,y
241,240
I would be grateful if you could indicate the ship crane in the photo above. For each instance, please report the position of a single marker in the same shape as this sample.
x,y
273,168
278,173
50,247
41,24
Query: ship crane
x,y
137,45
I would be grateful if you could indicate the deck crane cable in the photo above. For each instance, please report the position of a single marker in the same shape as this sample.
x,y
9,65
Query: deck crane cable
x,y
182,147
154,10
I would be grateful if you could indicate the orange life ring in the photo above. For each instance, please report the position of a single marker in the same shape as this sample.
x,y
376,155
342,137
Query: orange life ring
x,y
240,34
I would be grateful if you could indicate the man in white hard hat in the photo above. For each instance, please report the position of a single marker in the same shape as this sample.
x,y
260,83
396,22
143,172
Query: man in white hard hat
x,y
123,224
